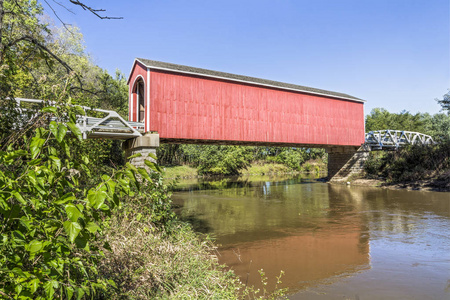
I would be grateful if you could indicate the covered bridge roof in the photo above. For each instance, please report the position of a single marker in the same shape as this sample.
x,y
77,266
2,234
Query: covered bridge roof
x,y
159,65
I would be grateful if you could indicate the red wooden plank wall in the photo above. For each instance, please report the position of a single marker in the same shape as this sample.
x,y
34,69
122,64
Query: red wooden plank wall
x,y
198,108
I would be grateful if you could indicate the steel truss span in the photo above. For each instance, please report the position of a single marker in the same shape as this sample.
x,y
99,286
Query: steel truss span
x,y
93,123
393,139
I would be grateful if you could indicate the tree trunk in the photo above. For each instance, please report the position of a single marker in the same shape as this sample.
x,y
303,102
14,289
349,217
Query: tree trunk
x,y
2,12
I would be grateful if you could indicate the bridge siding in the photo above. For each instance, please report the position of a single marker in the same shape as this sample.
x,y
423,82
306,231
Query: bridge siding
x,y
198,108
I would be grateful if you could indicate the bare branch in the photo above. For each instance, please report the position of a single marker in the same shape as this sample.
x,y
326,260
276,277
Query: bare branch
x,y
57,16
92,10
34,41
65,7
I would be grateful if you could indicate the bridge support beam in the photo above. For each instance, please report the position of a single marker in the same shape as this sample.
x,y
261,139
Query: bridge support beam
x,y
144,145
345,161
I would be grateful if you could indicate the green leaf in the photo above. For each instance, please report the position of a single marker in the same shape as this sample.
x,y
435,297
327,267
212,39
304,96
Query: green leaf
x,y
18,272
92,227
53,126
73,213
56,161
75,131
111,282
80,293
134,155
61,133
96,198
72,229
152,166
152,155
144,174
131,167
66,148
82,242
49,288
69,292
15,154
19,197
49,109
58,130
34,283
67,197
36,146
79,110
34,246
34,162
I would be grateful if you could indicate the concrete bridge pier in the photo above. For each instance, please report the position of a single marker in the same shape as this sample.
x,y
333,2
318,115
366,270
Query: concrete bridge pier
x,y
344,161
144,145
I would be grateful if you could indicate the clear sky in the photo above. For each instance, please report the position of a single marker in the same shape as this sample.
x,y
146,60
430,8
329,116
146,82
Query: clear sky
x,y
393,53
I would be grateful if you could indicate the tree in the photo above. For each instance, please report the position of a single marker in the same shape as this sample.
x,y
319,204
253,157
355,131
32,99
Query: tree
x,y
445,102
380,118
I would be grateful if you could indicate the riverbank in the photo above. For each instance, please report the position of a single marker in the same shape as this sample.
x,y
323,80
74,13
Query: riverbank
x,y
256,168
413,168
441,184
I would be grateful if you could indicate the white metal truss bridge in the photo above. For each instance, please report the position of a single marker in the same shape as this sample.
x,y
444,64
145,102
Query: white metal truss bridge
x,y
393,139
105,124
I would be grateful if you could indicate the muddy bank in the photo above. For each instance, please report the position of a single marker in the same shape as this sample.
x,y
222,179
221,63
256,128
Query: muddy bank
x,y
437,185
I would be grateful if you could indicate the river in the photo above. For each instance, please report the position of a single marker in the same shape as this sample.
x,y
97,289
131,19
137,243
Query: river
x,y
331,241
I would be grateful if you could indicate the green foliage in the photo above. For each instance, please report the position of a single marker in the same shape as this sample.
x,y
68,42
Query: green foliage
x,y
437,125
232,160
445,102
221,160
21,32
52,226
412,164
291,157
380,118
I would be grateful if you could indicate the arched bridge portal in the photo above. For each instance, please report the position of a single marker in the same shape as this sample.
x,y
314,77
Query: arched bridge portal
x,y
192,105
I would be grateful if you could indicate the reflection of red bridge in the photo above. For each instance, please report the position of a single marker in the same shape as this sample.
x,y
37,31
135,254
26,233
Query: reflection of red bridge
x,y
191,105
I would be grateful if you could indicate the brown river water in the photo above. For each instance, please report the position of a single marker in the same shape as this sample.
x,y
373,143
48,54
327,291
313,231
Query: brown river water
x,y
331,241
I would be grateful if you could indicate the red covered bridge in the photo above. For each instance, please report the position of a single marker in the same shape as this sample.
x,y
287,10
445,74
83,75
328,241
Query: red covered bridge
x,y
192,105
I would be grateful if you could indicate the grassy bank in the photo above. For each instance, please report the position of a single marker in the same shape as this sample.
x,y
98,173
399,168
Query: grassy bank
x,y
255,168
156,256
181,171
149,263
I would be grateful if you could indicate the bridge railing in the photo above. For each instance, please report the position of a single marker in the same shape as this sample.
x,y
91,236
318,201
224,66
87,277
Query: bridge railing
x,y
393,139
110,125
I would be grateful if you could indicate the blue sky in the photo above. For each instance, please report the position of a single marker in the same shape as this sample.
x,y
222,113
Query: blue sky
x,y
393,53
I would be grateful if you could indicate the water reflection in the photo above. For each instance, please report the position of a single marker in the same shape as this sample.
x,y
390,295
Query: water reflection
x,y
318,232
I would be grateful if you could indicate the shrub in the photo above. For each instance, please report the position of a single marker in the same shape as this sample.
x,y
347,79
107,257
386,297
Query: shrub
x,y
52,225
224,160
410,163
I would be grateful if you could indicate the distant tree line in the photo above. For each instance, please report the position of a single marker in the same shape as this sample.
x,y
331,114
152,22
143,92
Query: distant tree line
x,y
437,125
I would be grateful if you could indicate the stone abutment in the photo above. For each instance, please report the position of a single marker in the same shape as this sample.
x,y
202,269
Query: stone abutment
x,y
345,161
143,145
